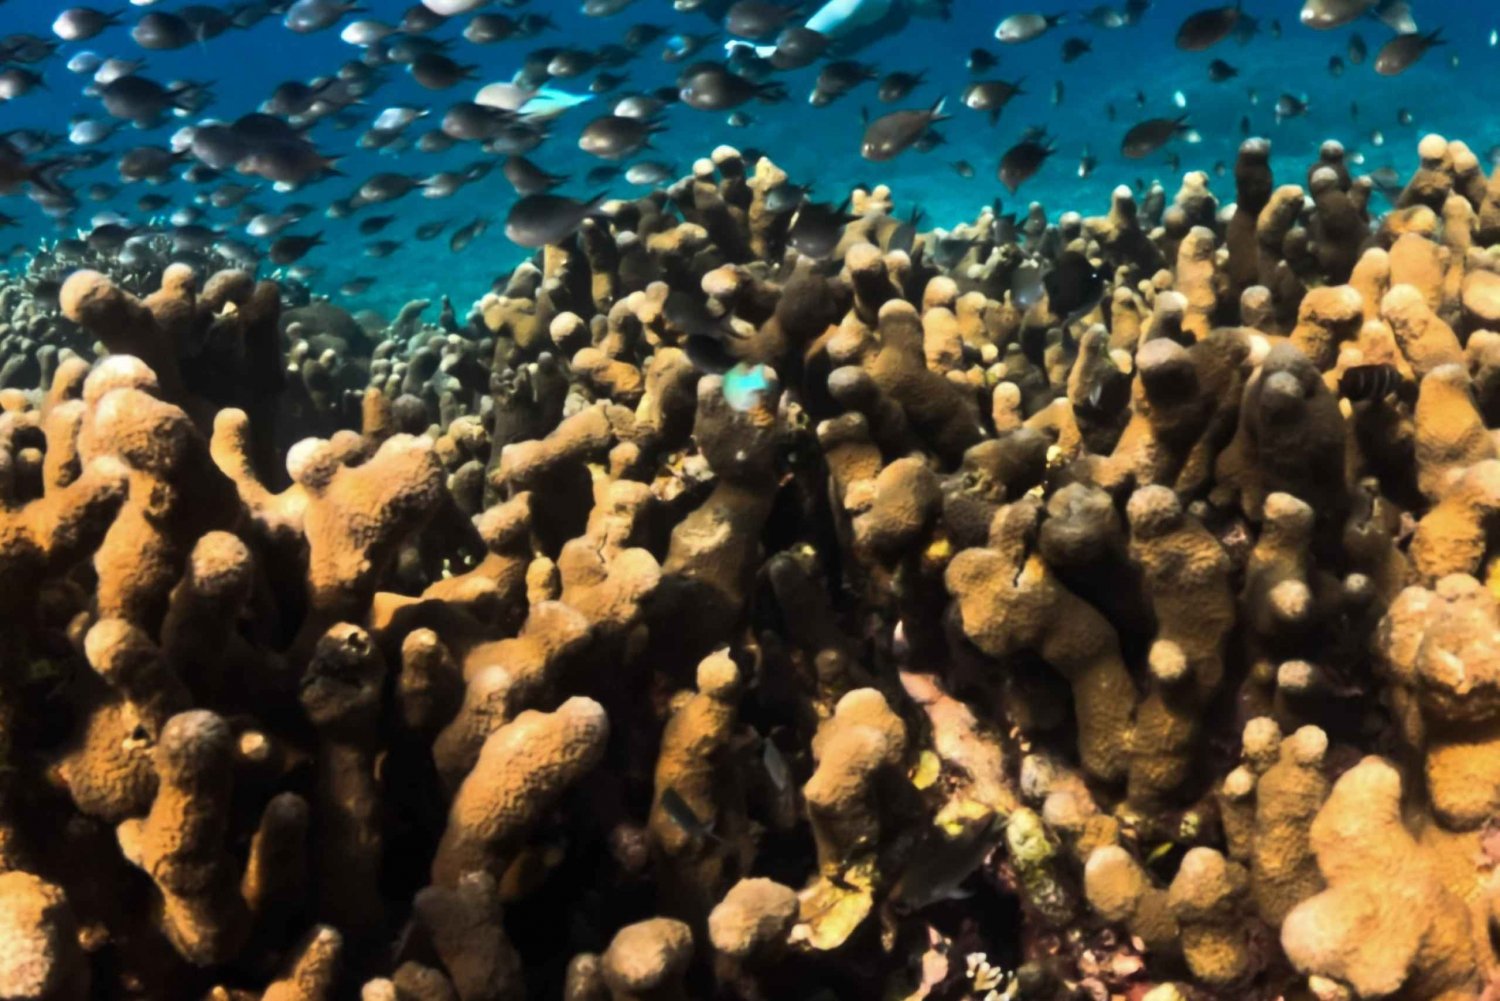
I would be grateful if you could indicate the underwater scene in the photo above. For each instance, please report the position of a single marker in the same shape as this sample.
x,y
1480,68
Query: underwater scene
x,y
739,500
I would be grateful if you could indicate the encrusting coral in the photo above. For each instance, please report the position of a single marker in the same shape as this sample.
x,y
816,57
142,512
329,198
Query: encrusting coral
x,y
700,619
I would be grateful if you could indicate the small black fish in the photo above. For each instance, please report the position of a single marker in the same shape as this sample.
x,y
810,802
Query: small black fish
x,y
963,168
991,96
1358,50
817,228
1021,162
1147,137
775,764
890,135
676,808
1219,71
894,86
1207,28
1335,67
537,221
290,249
942,864
980,61
374,224
1074,49
465,235
1402,52
1074,285
1360,383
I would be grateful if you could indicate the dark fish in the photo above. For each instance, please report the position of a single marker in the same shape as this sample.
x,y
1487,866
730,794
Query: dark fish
x,y
894,86
1151,135
1373,382
1396,15
1074,285
682,815
606,82
162,31
1074,49
757,19
648,172
79,24
374,224
1207,28
293,98
291,163
889,135
1104,16
1357,50
26,48
465,235
140,100
545,219
710,339
1290,106
1219,71
797,47
1019,28
948,251
529,179
1402,52
963,168
420,20
307,16
603,174
712,87
991,96
17,81
1021,162
386,187
684,46
786,196
436,71
615,137
290,249
382,248
775,764
980,61
638,36
1324,15
837,78
485,29
472,122
357,286
568,63
147,163
817,227
941,865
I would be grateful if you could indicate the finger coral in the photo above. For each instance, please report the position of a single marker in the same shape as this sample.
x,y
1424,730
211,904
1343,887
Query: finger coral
x,y
699,618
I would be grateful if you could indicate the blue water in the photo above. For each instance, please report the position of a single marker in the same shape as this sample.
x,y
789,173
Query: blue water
x,y
818,145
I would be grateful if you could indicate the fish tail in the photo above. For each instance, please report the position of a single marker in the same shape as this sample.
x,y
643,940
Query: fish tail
x,y
41,175
936,112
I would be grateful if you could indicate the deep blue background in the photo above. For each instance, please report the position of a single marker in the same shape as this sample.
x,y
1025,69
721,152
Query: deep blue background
x,y
820,145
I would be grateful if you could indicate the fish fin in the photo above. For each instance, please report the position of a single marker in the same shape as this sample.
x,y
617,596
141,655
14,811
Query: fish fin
x,y
935,113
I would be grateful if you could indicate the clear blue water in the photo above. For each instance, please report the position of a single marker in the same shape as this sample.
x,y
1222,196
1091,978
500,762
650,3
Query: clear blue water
x,y
818,145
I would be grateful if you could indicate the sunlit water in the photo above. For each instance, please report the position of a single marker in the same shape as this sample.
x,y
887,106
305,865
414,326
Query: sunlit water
x,y
1455,90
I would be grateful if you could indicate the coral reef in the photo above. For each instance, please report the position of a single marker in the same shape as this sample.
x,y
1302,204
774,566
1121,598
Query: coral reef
x,y
698,619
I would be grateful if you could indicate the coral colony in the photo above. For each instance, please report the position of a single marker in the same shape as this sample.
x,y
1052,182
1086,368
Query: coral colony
x,y
699,618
